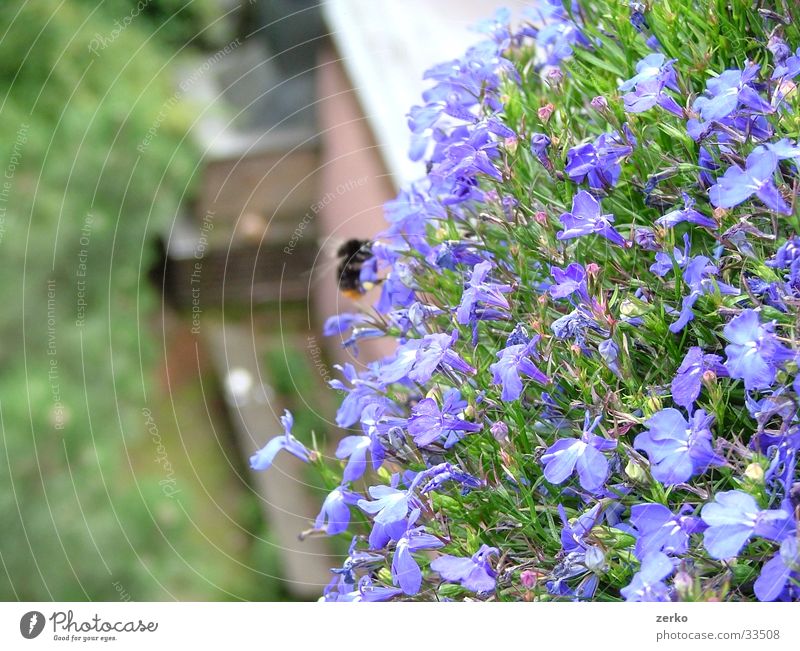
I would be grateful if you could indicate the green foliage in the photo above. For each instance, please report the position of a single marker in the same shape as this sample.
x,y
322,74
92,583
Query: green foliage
x,y
82,509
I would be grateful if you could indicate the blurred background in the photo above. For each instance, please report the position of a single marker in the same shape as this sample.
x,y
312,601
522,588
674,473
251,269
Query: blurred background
x,y
177,176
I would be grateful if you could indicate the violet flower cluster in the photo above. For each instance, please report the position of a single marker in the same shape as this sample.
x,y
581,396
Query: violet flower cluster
x,y
594,297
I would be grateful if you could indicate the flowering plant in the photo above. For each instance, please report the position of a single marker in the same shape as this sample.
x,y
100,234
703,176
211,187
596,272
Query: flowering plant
x,y
594,293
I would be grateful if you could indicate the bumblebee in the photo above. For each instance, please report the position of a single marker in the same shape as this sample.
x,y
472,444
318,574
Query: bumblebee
x,y
352,256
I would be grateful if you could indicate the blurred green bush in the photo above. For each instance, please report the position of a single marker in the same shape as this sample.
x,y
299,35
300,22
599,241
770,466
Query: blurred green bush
x,y
82,513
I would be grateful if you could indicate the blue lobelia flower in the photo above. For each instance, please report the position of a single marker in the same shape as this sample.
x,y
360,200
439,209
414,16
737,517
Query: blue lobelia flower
x,y
737,184
784,149
639,22
649,94
770,293
582,569
354,449
652,67
434,478
569,281
514,361
363,391
598,163
341,323
787,258
779,49
405,569
677,448
790,67
334,518
648,583
574,534
782,569
734,517
687,214
262,459
664,262
660,530
371,592
707,165
475,573
575,325
434,352
586,219
609,351
395,293
382,534
754,353
584,454
539,144
389,504
398,366
688,380
429,423
727,91
477,290
340,589
701,276
451,253
555,32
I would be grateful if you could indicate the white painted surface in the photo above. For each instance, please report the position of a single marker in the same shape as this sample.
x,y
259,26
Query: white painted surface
x,y
386,46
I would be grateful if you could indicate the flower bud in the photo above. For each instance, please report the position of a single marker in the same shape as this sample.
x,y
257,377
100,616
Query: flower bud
x,y
554,76
539,143
499,430
545,112
754,472
511,144
636,472
780,51
540,218
594,559
528,579
653,404
599,103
